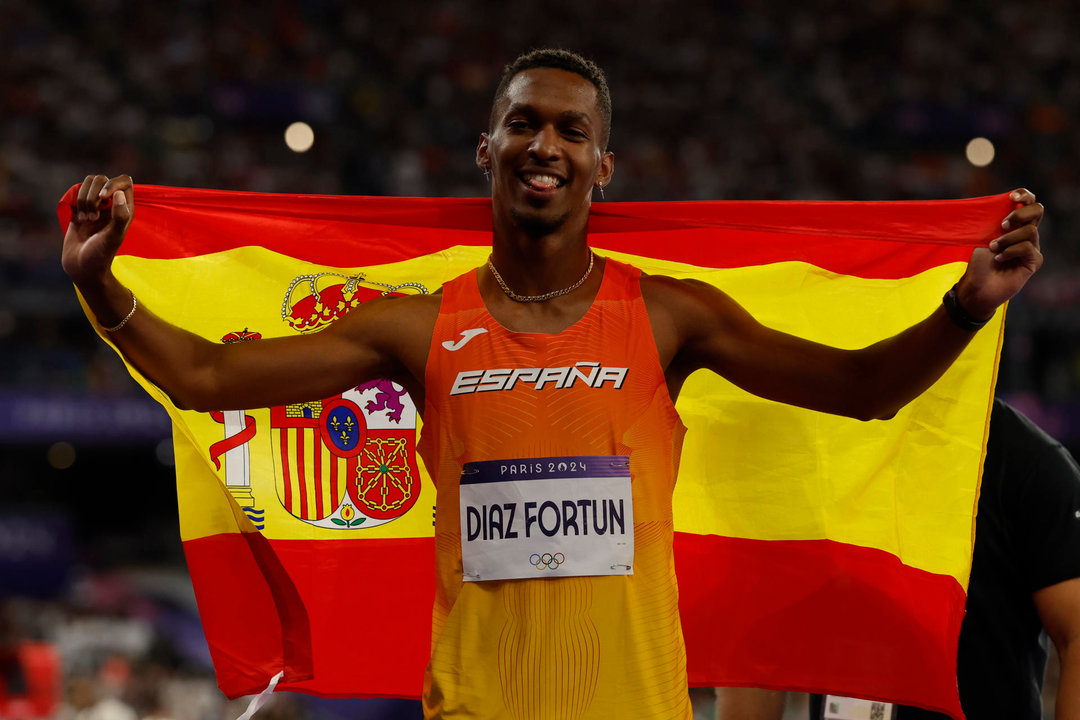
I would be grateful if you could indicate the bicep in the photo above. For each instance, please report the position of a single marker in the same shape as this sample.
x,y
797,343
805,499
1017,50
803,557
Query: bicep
x,y
277,371
720,335
863,383
284,370
1046,522
1059,609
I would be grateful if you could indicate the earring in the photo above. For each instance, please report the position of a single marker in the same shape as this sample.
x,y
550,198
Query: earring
x,y
600,187
487,174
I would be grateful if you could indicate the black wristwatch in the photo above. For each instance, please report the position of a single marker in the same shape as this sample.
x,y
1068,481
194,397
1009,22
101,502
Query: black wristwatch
x,y
958,314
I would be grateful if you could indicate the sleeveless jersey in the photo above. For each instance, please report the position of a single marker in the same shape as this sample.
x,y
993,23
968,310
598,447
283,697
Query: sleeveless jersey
x,y
587,647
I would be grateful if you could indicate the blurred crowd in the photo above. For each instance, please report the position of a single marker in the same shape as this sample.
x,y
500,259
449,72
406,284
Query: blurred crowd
x,y
128,645
741,100
712,101
118,646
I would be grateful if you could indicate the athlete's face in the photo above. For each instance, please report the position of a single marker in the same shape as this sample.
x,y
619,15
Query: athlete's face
x,y
544,149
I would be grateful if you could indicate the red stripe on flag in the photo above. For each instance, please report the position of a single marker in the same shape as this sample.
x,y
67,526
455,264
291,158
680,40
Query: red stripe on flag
x,y
859,642
818,615
736,248
378,653
286,498
317,480
301,473
250,609
364,231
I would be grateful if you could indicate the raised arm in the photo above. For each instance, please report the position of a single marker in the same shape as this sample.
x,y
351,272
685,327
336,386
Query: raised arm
x,y
698,326
382,338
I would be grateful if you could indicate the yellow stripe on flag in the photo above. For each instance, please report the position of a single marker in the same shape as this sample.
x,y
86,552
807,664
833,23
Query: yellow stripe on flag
x,y
805,477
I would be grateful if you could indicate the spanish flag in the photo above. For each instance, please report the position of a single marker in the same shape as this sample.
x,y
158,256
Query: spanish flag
x,y
814,552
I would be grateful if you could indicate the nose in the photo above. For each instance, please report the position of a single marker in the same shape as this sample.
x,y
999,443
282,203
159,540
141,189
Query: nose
x,y
545,143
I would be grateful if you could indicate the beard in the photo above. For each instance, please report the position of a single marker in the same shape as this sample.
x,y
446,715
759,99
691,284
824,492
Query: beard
x,y
537,222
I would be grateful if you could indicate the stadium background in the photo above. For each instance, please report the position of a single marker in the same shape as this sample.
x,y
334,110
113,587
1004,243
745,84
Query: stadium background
x,y
742,100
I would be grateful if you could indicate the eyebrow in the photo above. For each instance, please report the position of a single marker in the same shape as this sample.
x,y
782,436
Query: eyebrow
x,y
575,115
565,115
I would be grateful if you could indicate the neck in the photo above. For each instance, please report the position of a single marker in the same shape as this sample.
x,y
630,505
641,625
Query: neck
x,y
540,270
554,305
534,262
543,297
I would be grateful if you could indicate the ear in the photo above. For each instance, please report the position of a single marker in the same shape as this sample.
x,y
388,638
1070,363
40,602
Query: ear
x,y
483,161
607,168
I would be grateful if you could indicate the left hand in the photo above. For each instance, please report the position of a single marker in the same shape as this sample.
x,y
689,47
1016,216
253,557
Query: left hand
x,y
997,272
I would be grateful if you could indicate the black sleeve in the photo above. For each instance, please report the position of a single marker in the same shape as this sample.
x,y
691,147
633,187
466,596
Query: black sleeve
x,y
1046,524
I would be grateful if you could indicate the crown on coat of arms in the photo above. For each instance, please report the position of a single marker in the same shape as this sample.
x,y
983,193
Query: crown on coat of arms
x,y
322,306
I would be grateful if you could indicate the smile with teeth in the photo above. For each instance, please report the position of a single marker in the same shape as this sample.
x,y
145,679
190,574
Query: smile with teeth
x,y
542,182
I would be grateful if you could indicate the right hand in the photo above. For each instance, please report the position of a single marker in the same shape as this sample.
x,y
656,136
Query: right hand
x,y
99,221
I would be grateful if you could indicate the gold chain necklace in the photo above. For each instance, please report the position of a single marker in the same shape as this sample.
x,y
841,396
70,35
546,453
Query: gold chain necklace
x,y
546,296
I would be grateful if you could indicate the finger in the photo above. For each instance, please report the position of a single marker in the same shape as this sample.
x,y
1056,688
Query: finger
x,y
1022,195
93,196
83,203
1024,253
1026,214
119,184
1025,233
122,211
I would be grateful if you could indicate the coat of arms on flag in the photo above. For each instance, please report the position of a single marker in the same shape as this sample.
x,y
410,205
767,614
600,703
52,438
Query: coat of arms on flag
x,y
345,462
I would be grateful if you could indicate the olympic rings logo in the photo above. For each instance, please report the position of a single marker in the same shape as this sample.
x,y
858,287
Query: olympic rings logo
x,y
547,560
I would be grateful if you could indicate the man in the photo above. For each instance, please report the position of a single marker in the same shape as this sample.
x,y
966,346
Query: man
x,y
548,359
1025,578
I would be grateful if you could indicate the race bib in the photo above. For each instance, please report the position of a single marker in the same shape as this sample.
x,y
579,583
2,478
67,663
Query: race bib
x,y
546,517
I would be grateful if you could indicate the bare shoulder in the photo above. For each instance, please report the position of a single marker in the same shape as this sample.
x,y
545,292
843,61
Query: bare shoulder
x,y
684,302
677,309
666,291
691,319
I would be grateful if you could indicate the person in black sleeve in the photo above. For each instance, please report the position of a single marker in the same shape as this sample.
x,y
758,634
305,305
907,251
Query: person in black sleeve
x,y
1025,579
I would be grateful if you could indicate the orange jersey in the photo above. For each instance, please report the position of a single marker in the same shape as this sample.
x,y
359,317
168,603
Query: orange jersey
x,y
590,646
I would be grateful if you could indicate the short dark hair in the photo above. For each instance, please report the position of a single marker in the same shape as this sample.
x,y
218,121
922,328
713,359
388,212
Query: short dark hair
x,y
560,60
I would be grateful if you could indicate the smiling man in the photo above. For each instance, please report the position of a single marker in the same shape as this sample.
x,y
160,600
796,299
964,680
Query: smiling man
x,y
537,195
547,380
